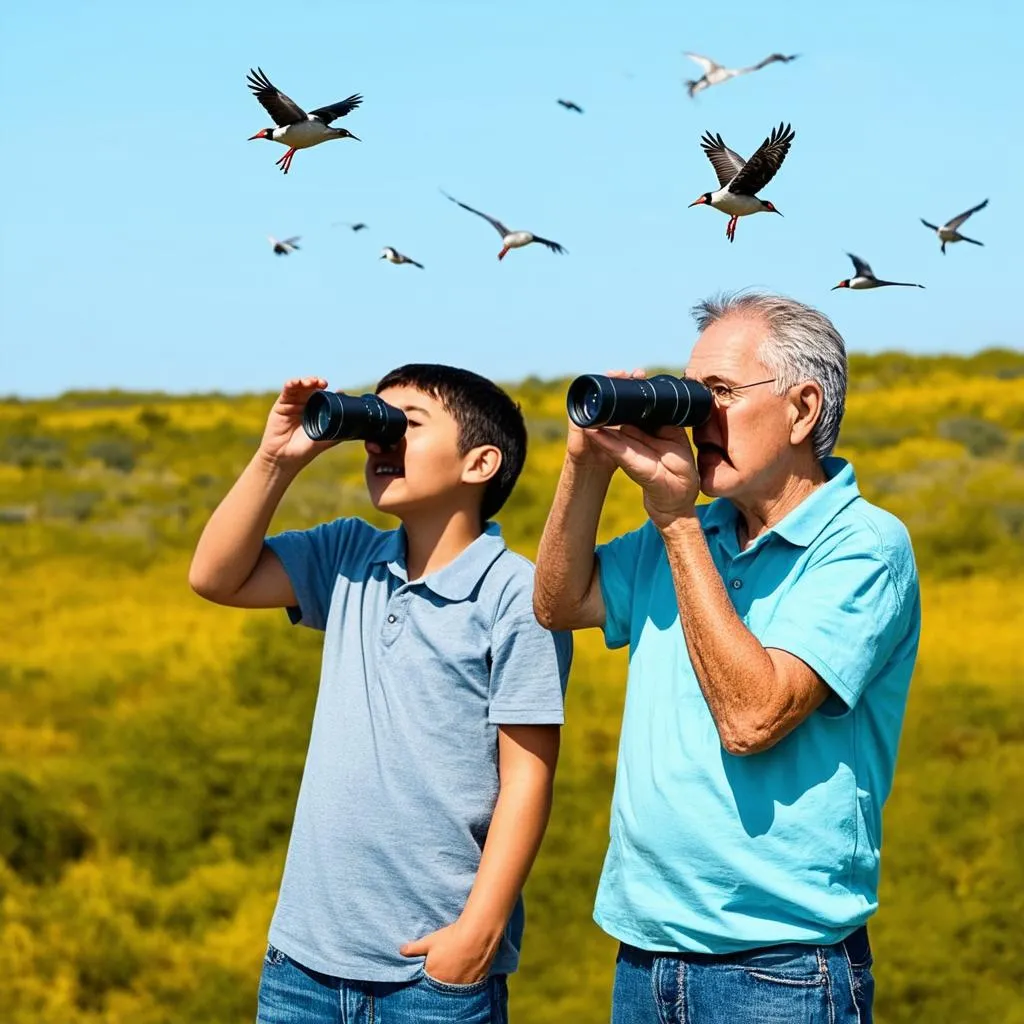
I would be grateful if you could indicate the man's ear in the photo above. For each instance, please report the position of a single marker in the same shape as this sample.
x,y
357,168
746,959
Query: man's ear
x,y
805,410
481,464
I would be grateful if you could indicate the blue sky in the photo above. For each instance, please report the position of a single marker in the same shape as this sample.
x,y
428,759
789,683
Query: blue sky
x,y
136,214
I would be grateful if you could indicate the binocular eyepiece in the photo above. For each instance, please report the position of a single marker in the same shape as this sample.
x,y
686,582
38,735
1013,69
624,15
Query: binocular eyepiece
x,y
329,416
594,400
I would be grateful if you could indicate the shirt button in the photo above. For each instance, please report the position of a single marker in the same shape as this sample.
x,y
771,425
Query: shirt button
x,y
736,584
391,618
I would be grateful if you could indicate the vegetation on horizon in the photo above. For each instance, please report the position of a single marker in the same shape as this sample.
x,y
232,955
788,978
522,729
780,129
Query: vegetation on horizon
x,y
151,744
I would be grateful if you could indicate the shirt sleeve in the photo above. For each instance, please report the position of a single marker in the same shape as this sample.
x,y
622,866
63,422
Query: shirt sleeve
x,y
617,563
529,668
845,617
312,559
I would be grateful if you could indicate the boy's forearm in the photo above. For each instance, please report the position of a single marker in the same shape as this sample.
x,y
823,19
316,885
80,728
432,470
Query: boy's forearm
x,y
513,840
231,541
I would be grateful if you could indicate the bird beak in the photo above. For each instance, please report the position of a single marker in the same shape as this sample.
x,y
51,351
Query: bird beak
x,y
842,284
779,212
262,134
356,137
698,202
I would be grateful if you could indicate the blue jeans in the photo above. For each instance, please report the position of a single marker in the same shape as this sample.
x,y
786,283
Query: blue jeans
x,y
773,985
293,994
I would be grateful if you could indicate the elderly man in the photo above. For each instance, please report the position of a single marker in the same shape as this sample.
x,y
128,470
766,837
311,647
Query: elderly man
x,y
772,634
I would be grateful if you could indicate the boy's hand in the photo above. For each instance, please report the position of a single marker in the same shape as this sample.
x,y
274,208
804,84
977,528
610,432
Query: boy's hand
x,y
284,441
454,955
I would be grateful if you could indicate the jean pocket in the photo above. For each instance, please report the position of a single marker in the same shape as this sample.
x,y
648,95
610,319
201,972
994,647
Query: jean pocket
x,y
452,988
796,966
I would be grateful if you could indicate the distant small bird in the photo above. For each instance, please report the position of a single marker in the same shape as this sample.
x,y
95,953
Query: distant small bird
x,y
394,256
358,226
285,247
949,232
864,277
510,239
715,74
295,128
741,180
569,105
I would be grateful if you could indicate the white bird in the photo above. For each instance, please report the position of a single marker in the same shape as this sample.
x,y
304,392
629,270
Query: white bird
x,y
949,232
284,247
864,277
740,179
295,128
715,74
394,256
509,239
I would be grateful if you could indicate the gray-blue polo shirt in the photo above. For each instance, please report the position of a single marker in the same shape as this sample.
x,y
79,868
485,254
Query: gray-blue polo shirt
x,y
715,853
401,774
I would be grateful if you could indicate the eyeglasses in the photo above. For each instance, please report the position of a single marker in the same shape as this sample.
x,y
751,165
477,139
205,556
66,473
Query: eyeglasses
x,y
725,394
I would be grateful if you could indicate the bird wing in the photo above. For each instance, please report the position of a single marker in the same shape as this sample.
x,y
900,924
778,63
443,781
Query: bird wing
x,y
335,110
292,240
569,105
553,246
861,269
281,108
763,165
957,221
771,59
494,222
726,163
705,62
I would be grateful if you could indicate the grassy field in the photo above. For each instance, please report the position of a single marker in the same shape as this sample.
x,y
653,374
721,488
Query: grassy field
x,y
151,744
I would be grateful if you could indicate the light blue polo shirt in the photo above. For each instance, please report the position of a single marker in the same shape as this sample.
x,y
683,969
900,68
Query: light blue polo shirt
x,y
401,774
716,853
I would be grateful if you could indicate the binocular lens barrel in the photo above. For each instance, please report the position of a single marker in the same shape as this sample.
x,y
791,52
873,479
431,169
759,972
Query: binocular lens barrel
x,y
594,400
328,416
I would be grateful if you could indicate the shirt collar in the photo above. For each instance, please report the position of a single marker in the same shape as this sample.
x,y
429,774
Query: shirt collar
x,y
457,580
803,523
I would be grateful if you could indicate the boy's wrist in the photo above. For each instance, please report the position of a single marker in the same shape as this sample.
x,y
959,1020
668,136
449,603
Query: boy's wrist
x,y
481,930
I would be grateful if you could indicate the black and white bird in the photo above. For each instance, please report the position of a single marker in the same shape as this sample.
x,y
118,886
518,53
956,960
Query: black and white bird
x,y
295,128
715,74
509,239
394,256
741,180
284,247
950,231
357,226
864,277
569,105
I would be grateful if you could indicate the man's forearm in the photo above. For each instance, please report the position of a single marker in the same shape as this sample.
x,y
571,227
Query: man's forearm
x,y
735,672
232,540
565,557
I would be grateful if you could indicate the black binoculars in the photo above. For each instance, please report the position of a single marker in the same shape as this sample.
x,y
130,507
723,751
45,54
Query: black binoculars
x,y
329,416
648,402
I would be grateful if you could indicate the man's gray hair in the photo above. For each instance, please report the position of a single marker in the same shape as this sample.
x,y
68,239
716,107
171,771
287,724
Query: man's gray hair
x,y
802,344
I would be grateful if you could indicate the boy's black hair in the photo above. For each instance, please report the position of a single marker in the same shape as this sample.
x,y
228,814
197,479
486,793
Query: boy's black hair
x,y
484,414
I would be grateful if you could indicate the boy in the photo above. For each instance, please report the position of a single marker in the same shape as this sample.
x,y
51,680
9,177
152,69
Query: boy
x,y
428,777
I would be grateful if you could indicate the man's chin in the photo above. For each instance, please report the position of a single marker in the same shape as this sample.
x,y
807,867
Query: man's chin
x,y
716,476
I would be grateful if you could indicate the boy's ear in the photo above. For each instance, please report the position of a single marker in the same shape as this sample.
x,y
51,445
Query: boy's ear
x,y
481,464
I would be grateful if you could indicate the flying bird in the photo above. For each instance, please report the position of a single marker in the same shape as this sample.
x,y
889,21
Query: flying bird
x,y
394,256
358,226
741,180
509,239
283,248
950,231
295,128
864,277
569,105
715,74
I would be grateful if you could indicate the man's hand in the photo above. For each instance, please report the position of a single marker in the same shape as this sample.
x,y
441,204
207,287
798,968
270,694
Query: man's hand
x,y
454,955
580,445
284,441
662,464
